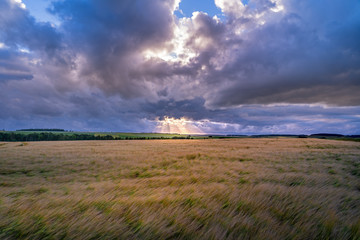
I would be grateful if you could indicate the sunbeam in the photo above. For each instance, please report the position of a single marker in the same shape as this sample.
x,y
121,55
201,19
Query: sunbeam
x,y
173,125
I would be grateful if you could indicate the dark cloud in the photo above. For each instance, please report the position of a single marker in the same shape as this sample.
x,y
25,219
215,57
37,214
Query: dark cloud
x,y
109,37
291,58
15,76
20,30
269,66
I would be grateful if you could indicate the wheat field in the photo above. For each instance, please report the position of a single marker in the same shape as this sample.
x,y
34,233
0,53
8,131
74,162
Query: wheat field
x,y
269,188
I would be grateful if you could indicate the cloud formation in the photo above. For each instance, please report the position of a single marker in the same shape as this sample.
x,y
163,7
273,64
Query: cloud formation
x,y
119,65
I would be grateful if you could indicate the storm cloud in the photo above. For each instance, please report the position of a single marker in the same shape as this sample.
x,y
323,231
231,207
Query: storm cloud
x,y
264,66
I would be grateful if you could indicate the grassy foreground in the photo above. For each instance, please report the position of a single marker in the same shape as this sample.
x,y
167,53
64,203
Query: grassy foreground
x,y
180,189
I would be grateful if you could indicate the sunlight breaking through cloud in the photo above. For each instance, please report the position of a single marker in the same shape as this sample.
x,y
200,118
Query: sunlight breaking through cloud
x,y
173,125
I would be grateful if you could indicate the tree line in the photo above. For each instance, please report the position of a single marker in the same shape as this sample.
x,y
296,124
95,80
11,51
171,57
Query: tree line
x,y
41,130
48,136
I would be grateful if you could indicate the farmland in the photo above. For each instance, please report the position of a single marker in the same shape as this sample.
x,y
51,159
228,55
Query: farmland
x,y
258,188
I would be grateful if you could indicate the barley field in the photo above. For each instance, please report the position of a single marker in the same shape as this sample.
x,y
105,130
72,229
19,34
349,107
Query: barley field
x,y
269,188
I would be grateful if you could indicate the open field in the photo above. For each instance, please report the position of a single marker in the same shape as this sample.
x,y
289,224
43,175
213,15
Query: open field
x,y
266,188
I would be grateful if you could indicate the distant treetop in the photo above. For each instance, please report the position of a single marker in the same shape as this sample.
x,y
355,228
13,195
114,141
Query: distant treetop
x,y
41,130
326,135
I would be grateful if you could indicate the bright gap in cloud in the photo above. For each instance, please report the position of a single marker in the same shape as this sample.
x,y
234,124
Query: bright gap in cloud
x,y
187,126
38,9
179,51
187,7
173,125
19,3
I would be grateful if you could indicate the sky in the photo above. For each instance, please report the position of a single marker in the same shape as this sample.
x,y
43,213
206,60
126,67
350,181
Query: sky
x,y
205,66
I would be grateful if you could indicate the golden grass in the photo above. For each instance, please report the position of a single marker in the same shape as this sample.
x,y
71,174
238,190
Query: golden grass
x,y
180,189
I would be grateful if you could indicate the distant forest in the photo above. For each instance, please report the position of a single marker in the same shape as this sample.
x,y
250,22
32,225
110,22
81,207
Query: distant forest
x,y
41,130
27,135
50,136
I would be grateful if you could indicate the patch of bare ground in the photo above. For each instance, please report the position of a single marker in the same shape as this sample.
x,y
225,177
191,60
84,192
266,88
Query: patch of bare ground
x,y
180,189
